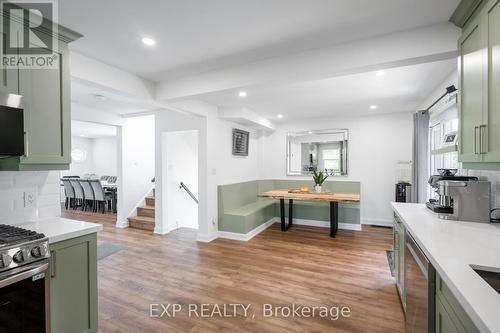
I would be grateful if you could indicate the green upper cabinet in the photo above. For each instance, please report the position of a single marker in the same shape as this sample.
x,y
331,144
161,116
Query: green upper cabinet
x,y
9,77
47,109
479,72
47,122
472,90
492,135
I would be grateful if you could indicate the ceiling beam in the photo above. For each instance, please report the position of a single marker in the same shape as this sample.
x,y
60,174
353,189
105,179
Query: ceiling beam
x,y
432,43
96,73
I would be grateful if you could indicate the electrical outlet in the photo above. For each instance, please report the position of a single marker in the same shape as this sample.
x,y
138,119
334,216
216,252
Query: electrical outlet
x,y
213,222
29,198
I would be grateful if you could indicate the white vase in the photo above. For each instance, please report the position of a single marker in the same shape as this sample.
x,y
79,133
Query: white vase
x,y
317,188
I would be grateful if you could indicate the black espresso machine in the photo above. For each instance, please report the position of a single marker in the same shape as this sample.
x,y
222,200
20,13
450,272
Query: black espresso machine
x,y
444,174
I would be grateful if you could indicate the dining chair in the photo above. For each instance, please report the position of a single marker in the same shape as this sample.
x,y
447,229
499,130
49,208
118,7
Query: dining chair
x,y
104,178
79,196
88,193
69,193
101,197
112,179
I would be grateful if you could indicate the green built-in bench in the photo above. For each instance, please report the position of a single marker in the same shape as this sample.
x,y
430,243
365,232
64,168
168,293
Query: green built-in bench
x,y
241,211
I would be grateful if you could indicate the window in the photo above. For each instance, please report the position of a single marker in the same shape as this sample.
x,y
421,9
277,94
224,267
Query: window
x,y
78,155
331,159
442,160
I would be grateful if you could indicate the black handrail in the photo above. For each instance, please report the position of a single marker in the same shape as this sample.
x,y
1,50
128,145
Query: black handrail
x,y
188,192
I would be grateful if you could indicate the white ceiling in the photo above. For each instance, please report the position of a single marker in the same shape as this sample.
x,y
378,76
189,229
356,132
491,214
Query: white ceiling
x,y
401,89
91,130
194,36
87,95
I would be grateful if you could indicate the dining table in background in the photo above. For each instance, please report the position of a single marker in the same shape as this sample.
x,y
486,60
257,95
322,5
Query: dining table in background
x,y
332,197
112,187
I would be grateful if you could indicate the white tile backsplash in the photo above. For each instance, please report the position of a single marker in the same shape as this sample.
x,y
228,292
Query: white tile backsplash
x,y
44,185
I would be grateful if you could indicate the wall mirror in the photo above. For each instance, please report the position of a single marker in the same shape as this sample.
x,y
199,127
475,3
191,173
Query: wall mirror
x,y
317,150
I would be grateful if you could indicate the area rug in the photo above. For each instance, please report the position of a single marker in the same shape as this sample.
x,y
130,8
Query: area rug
x,y
390,260
107,249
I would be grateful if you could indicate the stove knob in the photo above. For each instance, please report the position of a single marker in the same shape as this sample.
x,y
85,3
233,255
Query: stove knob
x,y
38,251
20,256
5,260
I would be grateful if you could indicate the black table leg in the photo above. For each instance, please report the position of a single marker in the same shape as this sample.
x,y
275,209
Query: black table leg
x,y
282,214
334,218
290,213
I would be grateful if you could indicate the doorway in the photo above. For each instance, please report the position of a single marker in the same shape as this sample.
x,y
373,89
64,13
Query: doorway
x,y
181,178
90,187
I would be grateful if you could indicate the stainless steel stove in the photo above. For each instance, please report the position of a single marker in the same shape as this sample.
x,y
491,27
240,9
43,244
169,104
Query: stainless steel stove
x,y
24,281
20,247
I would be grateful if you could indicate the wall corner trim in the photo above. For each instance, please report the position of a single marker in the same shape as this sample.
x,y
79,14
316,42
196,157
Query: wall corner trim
x,y
206,238
122,224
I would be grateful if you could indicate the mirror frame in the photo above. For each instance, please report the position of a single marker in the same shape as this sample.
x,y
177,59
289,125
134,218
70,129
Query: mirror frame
x,y
344,131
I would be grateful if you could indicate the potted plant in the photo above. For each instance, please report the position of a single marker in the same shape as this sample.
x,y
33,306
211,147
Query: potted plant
x,y
319,179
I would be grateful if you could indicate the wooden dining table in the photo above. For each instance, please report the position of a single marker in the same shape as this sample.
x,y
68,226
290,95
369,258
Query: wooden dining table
x,y
332,197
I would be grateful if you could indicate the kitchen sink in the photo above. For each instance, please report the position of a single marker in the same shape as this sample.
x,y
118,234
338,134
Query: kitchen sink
x,y
490,275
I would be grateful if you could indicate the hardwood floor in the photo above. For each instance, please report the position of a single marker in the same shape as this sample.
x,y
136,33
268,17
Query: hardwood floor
x,y
303,266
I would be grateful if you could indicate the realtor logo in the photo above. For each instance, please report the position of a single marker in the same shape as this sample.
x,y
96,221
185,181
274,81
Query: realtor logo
x,y
29,34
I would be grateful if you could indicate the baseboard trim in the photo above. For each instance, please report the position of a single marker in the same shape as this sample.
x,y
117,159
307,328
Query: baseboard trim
x,y
206,238
312,223
249,235
161,231
325,224
381,222
122,224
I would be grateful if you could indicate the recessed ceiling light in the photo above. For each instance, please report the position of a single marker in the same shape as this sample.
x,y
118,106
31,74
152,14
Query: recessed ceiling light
x,y
242,94
279,116
82,135
310,132
99,97
373,107
380,73
148,41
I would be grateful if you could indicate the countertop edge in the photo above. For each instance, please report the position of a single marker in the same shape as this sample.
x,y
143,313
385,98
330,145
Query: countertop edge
x,y
469,309
58,229
74,234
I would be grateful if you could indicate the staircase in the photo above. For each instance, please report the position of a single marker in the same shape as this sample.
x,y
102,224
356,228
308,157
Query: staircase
x,y
145,218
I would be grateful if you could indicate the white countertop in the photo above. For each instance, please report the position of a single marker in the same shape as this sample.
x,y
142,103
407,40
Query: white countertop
x,y
452,246
58,229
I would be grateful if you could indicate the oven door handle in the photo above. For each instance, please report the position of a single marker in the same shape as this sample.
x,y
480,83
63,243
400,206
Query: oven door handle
x,y
31,271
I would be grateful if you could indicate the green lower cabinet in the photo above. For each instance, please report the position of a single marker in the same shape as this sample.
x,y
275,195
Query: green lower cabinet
x,y
399,259
450,316
73,285
446,322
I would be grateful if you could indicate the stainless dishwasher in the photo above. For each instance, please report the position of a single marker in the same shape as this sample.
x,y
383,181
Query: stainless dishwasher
x,y
420,277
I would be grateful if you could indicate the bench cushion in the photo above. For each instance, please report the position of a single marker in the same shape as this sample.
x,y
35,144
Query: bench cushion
x,y
251,208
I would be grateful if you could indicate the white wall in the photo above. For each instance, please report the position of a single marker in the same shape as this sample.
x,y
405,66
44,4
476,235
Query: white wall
x,y
182,166
43,184
216,164
376,144
101,156
105,156
138,164
87,166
